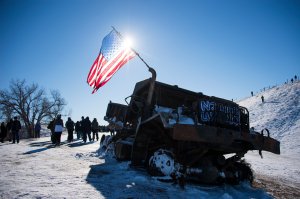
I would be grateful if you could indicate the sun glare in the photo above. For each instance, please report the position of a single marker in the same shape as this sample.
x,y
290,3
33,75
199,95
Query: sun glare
x,y
128,42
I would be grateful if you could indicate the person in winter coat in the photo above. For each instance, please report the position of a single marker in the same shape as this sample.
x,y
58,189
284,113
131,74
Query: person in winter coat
x,y
262,99
58,129
70,128
3,132
83,132
15,128
87,128
95,129
37,130
78,129
8,128
51,127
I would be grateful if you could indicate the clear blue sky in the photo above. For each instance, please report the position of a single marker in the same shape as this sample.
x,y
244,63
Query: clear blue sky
x,y
221,48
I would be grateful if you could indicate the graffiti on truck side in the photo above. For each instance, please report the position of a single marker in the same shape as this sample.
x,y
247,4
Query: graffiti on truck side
x,y
211,111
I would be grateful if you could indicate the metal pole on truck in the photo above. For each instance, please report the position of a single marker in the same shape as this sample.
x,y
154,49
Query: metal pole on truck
x,y
150,69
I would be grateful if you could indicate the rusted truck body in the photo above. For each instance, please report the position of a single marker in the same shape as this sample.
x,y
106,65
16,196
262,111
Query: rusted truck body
x,y
181,134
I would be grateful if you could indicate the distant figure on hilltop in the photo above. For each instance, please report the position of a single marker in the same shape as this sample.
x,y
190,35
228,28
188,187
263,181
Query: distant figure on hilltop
x,y
252,93
262,99
292,80
295,77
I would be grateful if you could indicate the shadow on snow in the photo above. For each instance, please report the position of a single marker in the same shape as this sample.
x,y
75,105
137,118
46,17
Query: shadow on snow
x,y
115,179
77,144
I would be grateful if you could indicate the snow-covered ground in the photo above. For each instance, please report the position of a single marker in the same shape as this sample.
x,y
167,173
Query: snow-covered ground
x,y
34,169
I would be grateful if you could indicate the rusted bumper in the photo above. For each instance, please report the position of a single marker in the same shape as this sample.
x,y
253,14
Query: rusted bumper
x,y
225,138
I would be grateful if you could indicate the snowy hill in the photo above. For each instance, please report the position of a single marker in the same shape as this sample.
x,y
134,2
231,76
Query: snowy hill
x,y
280,113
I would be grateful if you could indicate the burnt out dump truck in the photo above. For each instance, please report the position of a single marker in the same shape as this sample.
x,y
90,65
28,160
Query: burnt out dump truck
x,y
179,134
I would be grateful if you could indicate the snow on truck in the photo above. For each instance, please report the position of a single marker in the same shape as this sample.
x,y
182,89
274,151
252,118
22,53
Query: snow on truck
x,y
179,134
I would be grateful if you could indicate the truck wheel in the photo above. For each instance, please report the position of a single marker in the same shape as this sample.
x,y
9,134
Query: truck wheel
x,y
162,163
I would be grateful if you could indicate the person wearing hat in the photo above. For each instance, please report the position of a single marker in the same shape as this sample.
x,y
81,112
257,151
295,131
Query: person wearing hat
x,y
15,128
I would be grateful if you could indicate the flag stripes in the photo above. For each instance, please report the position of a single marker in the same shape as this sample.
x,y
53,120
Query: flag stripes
x,y
113,55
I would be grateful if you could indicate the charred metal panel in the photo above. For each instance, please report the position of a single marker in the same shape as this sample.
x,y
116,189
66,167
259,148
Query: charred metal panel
x,y
123,150
232,140
116,110
261,142
212,111
204,133
166,95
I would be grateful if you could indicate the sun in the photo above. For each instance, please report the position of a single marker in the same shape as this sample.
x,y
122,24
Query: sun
x,y
128,42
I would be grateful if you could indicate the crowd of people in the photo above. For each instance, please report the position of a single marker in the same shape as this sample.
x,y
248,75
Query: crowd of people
x,y
10,130
84,129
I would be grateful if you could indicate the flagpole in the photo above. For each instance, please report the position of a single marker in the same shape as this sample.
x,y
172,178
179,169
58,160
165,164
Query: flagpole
x,y
150,69
132,49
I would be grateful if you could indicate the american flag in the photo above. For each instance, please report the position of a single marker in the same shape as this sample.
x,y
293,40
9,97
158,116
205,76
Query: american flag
x,y
112,56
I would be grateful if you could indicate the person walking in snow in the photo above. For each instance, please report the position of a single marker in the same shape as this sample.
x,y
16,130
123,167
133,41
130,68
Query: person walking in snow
x,y
83,132
87,128
95,129
70,128
51,127
15,128
3,132
58,129
262,99
8,128
37,130
78,129
252,93
295,77
292,80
